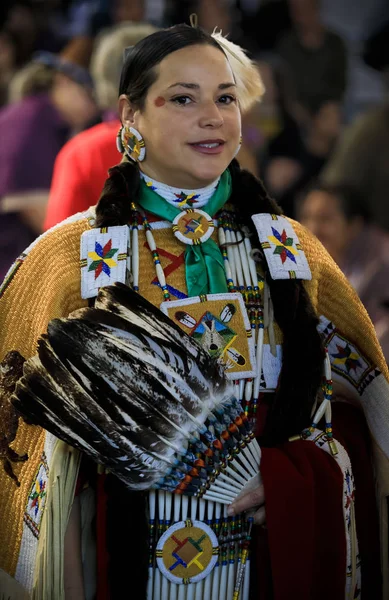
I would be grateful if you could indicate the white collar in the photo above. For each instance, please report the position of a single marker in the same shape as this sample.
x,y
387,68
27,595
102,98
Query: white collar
x,y
181,198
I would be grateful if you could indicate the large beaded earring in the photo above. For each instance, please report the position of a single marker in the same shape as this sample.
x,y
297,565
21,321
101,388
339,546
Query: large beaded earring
x,y
130,141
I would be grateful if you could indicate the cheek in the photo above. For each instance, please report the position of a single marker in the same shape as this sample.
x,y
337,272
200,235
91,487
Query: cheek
x,y
159,102
233,121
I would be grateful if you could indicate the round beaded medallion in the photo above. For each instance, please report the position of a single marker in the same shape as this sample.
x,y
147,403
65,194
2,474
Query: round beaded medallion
x,y
187,551
193,226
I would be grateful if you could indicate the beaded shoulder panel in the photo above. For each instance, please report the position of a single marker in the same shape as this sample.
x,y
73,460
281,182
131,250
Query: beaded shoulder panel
x,y
281,247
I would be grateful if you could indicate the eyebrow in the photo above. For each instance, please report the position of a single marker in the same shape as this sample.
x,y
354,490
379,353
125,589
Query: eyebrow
x,y
195,86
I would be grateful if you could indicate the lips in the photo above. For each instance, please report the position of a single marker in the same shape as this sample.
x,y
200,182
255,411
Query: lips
x,y
208,146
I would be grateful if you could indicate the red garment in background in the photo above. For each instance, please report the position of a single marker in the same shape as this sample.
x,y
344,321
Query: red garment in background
x,y
80,171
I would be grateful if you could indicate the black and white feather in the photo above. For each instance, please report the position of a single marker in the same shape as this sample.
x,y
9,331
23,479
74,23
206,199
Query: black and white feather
x,y
125,385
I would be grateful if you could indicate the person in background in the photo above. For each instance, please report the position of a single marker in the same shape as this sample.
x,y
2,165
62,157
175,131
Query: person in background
x,y
316,57
8,62
337,216
296,156
81,166
55,99
361,157
361,160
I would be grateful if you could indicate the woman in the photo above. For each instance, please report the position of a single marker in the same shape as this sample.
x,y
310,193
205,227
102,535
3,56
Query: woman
x,y
181,96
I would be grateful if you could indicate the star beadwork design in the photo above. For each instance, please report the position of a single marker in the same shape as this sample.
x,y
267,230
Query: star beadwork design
x,y
102,259
284,245
183,198
37,495
347,358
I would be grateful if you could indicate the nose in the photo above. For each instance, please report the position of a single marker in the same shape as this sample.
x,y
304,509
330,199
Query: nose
x,y
211,116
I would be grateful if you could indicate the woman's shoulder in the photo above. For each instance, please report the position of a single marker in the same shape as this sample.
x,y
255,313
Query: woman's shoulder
x,y
42,284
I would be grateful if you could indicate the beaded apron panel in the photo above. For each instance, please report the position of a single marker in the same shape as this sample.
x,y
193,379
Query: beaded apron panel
x,y
196,551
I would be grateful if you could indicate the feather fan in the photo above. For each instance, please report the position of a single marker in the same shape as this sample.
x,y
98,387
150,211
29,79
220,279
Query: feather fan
x,y
122,383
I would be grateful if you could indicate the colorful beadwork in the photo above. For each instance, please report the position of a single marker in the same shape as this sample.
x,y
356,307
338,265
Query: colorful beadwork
x,y
347,361
214,320
189,199
347,357
281,247
130,141
102,259
284,245
193,226
37,498
180,197
187,551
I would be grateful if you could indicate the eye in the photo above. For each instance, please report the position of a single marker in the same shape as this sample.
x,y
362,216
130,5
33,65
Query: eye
x,y
181,100
227,99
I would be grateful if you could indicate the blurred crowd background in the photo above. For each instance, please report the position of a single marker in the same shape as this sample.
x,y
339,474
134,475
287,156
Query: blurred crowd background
x,y
319,139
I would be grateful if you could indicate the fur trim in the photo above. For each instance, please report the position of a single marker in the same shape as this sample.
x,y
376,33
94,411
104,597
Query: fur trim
x,y
248,79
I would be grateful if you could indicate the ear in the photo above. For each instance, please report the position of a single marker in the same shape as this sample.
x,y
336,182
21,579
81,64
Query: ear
x,y
126,111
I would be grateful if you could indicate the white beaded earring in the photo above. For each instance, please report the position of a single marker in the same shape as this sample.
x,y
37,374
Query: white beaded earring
x,y
130,142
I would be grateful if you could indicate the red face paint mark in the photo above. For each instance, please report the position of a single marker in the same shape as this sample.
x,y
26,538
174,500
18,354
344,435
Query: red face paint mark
x,y
159,101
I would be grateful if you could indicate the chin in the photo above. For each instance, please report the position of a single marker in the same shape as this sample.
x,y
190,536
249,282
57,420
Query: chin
x,y
210,171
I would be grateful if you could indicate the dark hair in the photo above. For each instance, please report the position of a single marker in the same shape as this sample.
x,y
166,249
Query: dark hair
x,y
138,72
350,200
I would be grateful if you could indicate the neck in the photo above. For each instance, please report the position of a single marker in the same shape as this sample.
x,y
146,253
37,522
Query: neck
x,y
173,179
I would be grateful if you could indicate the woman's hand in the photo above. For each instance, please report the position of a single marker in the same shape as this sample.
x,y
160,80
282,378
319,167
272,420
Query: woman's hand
x,y
249,500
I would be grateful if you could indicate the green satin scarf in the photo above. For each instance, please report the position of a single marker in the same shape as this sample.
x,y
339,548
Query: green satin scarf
x,y
204,265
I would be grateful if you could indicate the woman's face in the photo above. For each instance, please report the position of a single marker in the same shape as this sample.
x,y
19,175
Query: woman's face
x,y
321,214
191,119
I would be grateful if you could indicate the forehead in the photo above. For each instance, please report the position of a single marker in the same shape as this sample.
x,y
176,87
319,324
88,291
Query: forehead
x,y
200,64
